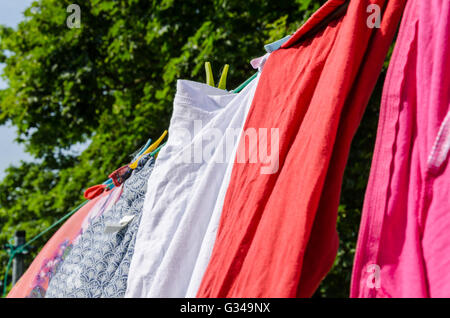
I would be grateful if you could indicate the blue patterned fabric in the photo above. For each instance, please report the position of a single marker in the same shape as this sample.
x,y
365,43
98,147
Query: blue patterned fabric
x,y
98,264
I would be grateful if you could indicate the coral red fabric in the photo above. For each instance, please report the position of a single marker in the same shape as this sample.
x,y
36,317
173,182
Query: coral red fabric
x,y
277,235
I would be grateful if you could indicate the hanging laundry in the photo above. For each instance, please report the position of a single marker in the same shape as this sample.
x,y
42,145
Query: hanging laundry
x,y
182,207
98,263
210,235
313,91
35,280
404,243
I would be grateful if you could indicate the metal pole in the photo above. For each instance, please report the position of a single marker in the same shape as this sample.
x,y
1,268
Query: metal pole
x,y
18,261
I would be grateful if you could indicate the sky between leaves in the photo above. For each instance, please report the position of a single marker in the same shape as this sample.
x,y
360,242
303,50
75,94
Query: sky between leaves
x,y
11,13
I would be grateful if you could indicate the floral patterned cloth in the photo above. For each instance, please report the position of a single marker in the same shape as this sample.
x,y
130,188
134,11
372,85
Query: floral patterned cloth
x,y
48,268
34,281
98,264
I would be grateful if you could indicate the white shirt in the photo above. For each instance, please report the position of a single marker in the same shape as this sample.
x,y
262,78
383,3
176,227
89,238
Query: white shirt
x,y
186,191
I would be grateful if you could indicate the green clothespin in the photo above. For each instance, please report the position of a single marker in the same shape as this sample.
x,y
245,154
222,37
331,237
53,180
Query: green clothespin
x,y
209,74
210,77
223,77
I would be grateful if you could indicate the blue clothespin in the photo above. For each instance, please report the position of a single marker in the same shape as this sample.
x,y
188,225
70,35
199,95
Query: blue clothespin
x,y
271,47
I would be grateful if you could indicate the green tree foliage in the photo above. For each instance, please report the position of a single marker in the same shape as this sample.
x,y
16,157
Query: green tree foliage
x,y
110,84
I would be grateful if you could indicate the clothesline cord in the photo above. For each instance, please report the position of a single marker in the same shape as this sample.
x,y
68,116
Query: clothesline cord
x,y
14,250
247,81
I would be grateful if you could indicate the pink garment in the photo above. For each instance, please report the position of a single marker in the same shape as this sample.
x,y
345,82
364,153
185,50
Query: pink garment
x,y
404,241
34,281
